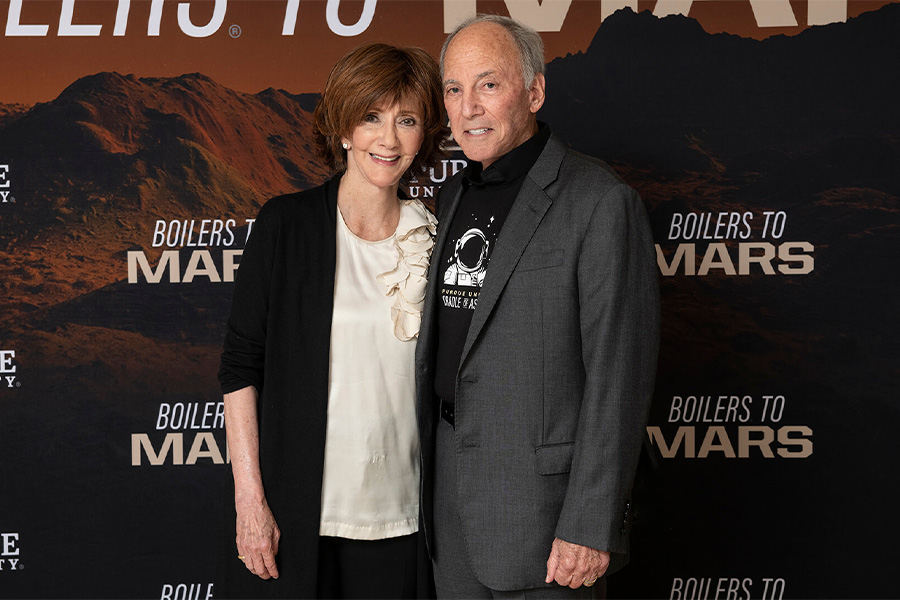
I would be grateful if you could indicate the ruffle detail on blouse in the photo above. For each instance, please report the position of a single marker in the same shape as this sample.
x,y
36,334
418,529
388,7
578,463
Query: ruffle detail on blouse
x,y
406,282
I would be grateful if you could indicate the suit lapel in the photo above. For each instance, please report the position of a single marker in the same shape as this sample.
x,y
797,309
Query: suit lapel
x,y
524,217
449,198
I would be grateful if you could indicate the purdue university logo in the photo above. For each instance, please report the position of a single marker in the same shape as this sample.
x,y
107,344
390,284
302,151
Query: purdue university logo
x,y
9,552
5,185
8,369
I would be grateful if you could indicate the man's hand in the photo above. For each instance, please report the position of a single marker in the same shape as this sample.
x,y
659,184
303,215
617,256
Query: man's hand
x,y
573,565
257,539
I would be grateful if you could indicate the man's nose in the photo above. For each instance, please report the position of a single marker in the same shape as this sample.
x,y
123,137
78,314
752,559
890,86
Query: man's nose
x,y
471,104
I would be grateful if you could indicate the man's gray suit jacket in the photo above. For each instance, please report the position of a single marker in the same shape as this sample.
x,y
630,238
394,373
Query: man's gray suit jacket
x,y
556,374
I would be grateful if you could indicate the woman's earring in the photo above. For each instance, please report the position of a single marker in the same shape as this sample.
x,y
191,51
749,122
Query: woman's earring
x,y
346,146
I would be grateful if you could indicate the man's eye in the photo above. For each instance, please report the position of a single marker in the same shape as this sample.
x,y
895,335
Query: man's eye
x,y
452,90
490,85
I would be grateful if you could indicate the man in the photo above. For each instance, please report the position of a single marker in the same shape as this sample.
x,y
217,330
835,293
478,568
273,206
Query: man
x,y
538,345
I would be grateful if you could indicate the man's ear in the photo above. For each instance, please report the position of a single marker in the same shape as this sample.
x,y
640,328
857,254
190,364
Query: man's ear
x,y
536,92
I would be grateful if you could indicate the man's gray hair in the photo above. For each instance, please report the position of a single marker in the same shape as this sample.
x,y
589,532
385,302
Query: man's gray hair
x,y
527,40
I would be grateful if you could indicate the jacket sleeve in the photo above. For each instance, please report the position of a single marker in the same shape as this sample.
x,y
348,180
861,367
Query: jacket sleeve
x,y
618,297
243,355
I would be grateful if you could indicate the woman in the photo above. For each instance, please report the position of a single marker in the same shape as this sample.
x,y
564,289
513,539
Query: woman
x,y
318,362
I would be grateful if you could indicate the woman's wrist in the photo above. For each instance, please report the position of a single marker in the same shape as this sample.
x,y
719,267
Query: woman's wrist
x,y
249,496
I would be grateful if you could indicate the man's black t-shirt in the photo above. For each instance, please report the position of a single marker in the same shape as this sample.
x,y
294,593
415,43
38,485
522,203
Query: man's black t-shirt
x,y
486,200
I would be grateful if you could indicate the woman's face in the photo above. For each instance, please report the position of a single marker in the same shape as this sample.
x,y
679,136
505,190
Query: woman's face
x,y
385,143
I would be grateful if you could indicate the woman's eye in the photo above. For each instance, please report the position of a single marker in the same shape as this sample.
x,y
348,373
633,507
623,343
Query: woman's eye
x,y
409,122
370,118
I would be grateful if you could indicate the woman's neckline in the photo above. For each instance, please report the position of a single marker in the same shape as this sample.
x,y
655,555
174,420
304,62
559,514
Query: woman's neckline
x,y
364,240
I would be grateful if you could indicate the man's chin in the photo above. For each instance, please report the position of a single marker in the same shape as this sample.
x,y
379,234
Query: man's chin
x,y
475,152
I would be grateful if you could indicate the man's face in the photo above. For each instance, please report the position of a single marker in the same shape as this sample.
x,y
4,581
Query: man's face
x,y
491,112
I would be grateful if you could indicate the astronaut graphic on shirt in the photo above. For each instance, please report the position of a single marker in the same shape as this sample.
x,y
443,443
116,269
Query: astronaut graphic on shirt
x,y
467,253
468,264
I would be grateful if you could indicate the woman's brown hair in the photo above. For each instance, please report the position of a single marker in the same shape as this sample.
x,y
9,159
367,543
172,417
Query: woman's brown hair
x,y
372,73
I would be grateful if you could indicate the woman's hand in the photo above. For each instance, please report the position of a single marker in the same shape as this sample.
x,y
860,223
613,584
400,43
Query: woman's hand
x,y
257,533
257,538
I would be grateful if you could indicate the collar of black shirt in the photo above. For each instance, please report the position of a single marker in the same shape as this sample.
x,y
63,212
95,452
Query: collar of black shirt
x,y
513,164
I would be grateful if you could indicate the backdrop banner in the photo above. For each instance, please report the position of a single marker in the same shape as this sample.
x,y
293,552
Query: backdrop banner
x,y
139,138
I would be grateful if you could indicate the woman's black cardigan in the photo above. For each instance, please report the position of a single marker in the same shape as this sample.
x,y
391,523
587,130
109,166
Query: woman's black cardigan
x,y
278,340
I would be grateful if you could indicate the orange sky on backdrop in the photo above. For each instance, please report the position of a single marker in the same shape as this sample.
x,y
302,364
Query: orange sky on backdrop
x,y
37,69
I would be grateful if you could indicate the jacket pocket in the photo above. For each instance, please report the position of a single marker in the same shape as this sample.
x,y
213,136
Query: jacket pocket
x,y
544,260
554,459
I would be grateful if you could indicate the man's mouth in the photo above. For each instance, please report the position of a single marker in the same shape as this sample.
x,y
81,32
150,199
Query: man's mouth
x,y
481,131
